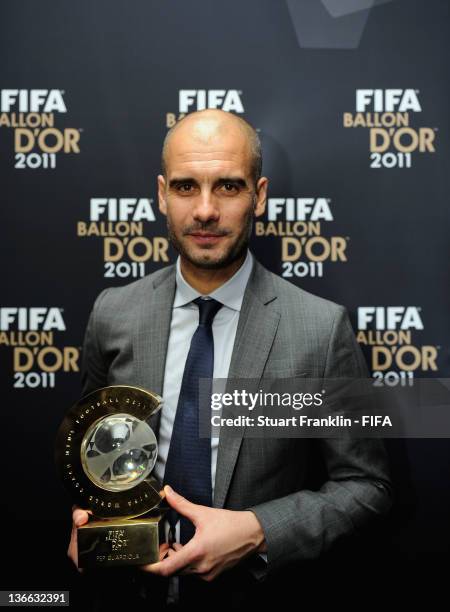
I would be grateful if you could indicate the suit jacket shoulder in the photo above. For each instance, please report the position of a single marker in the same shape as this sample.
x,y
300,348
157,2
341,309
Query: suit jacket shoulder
x,y
314,335
113,298
127,332
293,296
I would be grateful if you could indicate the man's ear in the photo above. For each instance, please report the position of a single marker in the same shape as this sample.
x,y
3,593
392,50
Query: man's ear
x,y
162,194
261,196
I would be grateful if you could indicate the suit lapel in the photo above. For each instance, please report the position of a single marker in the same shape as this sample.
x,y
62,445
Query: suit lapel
x,y
258,323
151,337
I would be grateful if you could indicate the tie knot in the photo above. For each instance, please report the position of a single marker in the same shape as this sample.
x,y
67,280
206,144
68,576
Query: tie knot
x,y
207,310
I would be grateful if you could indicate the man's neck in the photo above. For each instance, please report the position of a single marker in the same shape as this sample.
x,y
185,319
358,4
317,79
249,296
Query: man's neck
x,y
206,281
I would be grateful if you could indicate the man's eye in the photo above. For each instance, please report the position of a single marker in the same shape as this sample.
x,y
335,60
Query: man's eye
x,y
229,187
185,187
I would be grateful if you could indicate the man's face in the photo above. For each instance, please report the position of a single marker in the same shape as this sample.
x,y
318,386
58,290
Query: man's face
x,y
209,195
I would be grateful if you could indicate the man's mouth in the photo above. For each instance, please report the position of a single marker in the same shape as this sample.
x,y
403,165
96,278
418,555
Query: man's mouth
x,y
200,237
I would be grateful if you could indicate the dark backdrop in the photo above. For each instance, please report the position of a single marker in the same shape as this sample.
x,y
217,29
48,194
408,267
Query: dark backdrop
x,y
372,224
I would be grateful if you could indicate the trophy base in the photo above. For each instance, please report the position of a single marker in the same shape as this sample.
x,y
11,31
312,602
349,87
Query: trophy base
x,y
121,542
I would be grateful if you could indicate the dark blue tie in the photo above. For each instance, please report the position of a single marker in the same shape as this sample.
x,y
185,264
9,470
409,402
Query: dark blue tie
x,y
188,467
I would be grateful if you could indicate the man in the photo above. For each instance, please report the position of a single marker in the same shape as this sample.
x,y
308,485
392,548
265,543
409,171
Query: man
x,y
261,518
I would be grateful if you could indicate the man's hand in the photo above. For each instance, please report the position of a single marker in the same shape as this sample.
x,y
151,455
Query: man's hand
x,y
222,539
80,517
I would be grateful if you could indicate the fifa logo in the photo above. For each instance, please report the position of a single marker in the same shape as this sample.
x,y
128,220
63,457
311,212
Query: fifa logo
x,y
389,317
32,101
199,99
387,100
33,318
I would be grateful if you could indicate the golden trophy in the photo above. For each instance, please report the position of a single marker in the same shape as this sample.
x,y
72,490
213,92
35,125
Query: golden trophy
x,y
105,453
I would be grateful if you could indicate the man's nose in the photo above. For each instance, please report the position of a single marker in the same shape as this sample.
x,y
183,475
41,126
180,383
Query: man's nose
x,y
206,207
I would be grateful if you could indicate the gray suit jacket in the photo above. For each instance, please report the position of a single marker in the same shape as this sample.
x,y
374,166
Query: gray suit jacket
x,y
282,332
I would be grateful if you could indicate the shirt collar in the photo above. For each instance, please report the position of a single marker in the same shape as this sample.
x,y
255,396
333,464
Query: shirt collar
x,y
229,294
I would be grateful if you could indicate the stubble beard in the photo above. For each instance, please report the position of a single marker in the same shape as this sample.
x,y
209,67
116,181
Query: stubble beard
x,y
234,252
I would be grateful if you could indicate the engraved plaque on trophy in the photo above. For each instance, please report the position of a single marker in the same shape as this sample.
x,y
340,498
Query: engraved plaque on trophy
x,y
105,453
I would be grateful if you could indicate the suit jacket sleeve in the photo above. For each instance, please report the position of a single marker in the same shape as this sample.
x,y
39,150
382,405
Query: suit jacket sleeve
x,y
306,523
94,370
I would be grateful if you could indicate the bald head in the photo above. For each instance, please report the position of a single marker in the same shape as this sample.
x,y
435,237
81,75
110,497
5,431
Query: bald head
x,y
209,126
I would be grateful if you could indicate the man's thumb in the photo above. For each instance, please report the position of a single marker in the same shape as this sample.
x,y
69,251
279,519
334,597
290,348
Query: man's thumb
x,y
181,504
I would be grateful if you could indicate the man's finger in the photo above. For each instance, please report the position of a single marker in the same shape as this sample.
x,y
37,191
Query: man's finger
x,y
163,550
182,505
173,563
72,551
80,517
